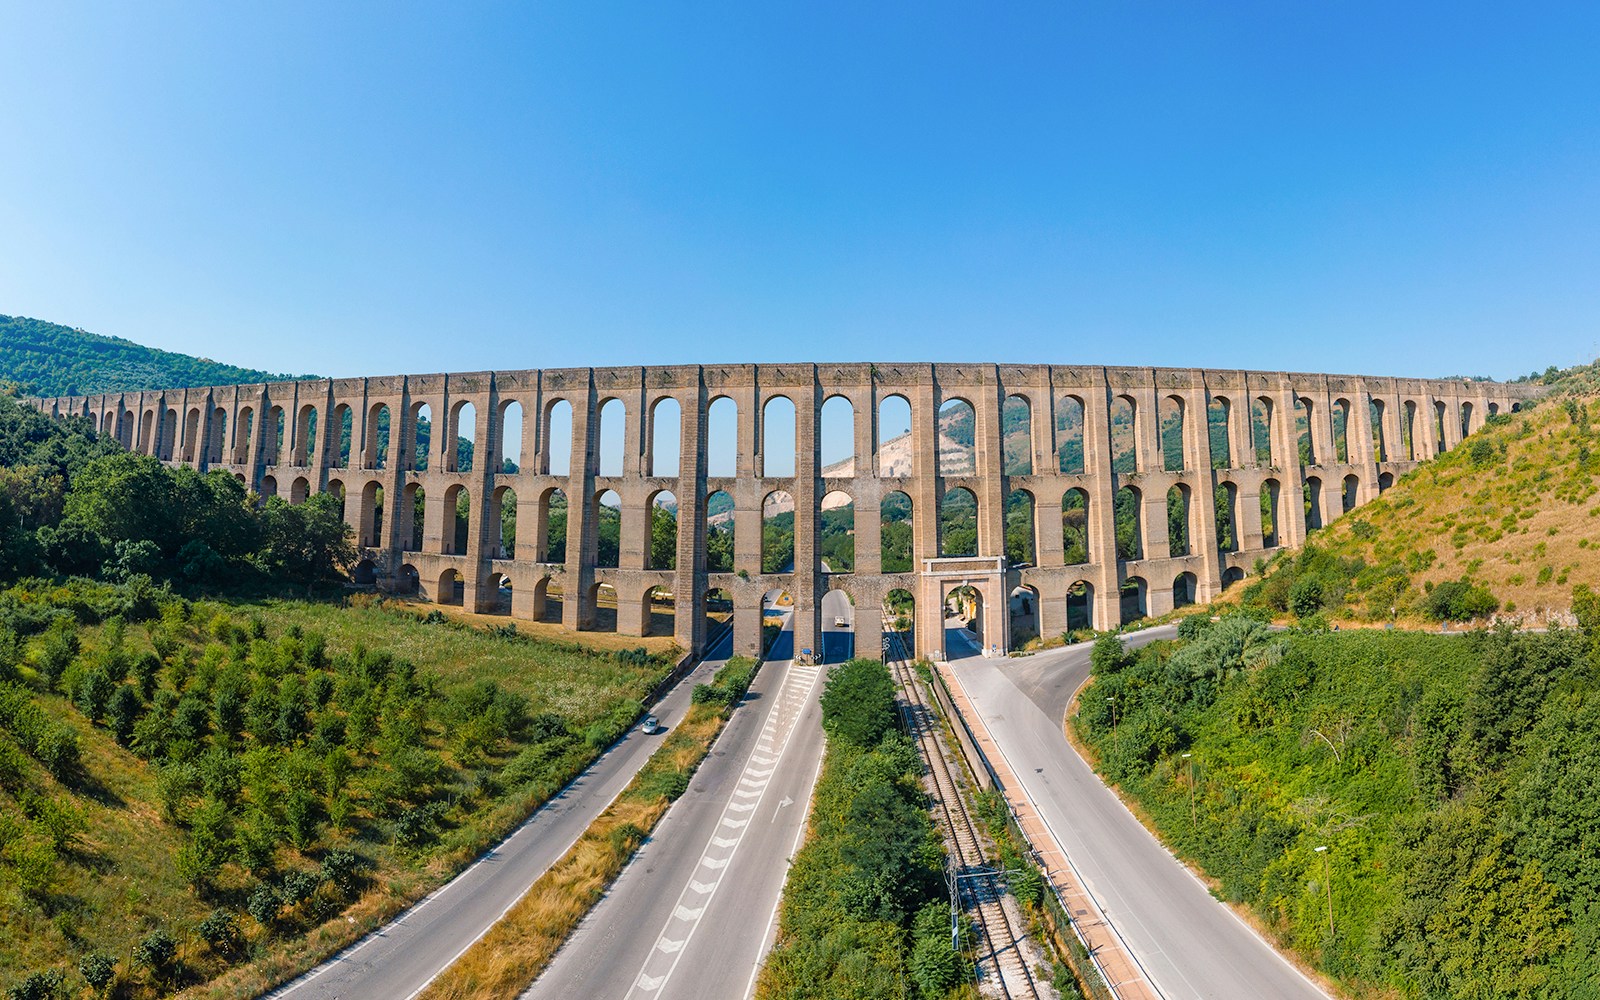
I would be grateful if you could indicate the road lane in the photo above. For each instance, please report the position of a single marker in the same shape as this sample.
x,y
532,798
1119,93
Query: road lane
x,y
1189,944
692,915
402,957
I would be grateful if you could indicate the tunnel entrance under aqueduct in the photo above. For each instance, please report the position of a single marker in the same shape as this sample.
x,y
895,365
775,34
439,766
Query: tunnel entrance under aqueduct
x,y
1044,496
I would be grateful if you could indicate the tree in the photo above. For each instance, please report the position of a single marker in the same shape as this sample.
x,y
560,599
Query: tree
x,y
858,703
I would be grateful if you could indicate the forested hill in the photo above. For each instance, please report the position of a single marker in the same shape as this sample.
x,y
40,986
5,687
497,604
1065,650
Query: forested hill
x,y
47,359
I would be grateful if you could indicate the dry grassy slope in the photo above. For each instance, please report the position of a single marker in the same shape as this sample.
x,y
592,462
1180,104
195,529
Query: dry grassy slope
x,y
1514,507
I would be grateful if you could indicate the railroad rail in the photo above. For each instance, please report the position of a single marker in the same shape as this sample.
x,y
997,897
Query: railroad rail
x,y
978,886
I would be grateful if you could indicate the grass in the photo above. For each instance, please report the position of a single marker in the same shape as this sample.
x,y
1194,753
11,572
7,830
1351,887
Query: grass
x,y
505,961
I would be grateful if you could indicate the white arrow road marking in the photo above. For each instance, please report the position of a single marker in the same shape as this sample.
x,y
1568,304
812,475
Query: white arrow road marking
x,y
669,946
702,887
684,913
724,841
651,983
785,801
743,807
735,823
714,864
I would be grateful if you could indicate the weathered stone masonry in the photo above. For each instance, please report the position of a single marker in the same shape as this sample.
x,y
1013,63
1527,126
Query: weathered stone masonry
x,y
201,427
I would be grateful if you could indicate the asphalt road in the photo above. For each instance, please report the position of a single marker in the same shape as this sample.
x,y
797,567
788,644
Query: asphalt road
x,y
398,960
1190,945
694,913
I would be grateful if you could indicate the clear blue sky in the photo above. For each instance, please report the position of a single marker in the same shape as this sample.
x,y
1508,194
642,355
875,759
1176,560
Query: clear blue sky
x,y
1373,187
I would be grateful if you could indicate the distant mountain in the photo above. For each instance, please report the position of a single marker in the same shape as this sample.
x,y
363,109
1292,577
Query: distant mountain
x,y
47,359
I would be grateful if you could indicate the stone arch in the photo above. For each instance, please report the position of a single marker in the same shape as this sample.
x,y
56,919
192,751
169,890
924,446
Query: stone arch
x,y
457,515
125,429
1231,576
508,437
666,429
408,580
1180,530
610,437
1134,599
500,597
1385,480
1261,436
1075,546
370,532
335,488
896,532
272,436
547,599
1124,416
1271,514
603,599
719,538
1016,428
893,436
661,536
502,523
1227,514
421,435
269,487
1341,430
217,439
777,532
452,588
1219,430
380,428
299,489
836,544
305,430
1466,418
606,510
836,437
964,603
1184,586
722,437
1021,534
958,522
1352,486
555,439
343,427
957,436
1315,518
1494,409
1023,610
900,618
1305,441
1169,421
413,513
146,432
460,443
191,435
1438,427
656,613
778,437
1127,508
169,435
364,574
1080,605
1380,443
553,524
838,640
1408,429
1069,422
777,641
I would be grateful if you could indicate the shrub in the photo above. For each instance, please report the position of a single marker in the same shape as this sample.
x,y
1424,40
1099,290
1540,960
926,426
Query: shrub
x,y
1305,597
38,986
1458,601
220,931
157,951
1107,657
858,703
97,969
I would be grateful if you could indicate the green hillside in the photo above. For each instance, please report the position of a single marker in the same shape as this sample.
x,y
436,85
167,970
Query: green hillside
x,y
47,359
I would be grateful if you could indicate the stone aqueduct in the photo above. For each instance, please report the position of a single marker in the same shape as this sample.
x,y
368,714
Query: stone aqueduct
x,y
1416,419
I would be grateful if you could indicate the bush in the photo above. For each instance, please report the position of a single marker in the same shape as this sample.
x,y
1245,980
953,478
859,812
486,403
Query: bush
x,y
38,986
157,951
220,931
1107,657
97,969
858,703
1305,597
1459,601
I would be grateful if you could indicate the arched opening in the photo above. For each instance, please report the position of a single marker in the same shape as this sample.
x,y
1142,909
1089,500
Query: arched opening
x,y
269,487
1080,606
415,512
408,581
1261,429
1021,539
1130,530
1341,431
1075,527
125,431
957,433
663,548
305,443
1438,427
1304,440
719,614
299,490
1016,428
1069,435
1351,485
900,619
657,613
1178,506
421,435
1219,412
1516,407
963,623
452,588
958,523
364,574
611,437
553,515
272,442
500,594
603,597
1408,429
777,638
146,425
508,438
556,452
837,544
335,489
344,429
1494,409
371,528
836,438
1385,480
1124,435
216,441
503,522
191,435
838,625
777,533
1183,590
1312,491
1380,445
1466,419
547,600
1231,576
777,437
1170,416
169,435
607,514
1226,498
453,540
722,438
1134,600
379,427
461,444
666,421
1023,605
1270,536
895,532
719,533
894,436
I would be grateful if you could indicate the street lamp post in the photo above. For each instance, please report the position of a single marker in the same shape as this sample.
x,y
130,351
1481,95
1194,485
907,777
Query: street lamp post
x,y
1190,759
1327,878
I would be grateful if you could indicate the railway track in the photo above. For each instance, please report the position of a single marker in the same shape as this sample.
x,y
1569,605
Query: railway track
x,y
979,886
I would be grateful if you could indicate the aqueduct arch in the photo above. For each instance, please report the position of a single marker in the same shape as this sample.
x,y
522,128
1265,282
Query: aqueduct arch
x,y
1077,437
